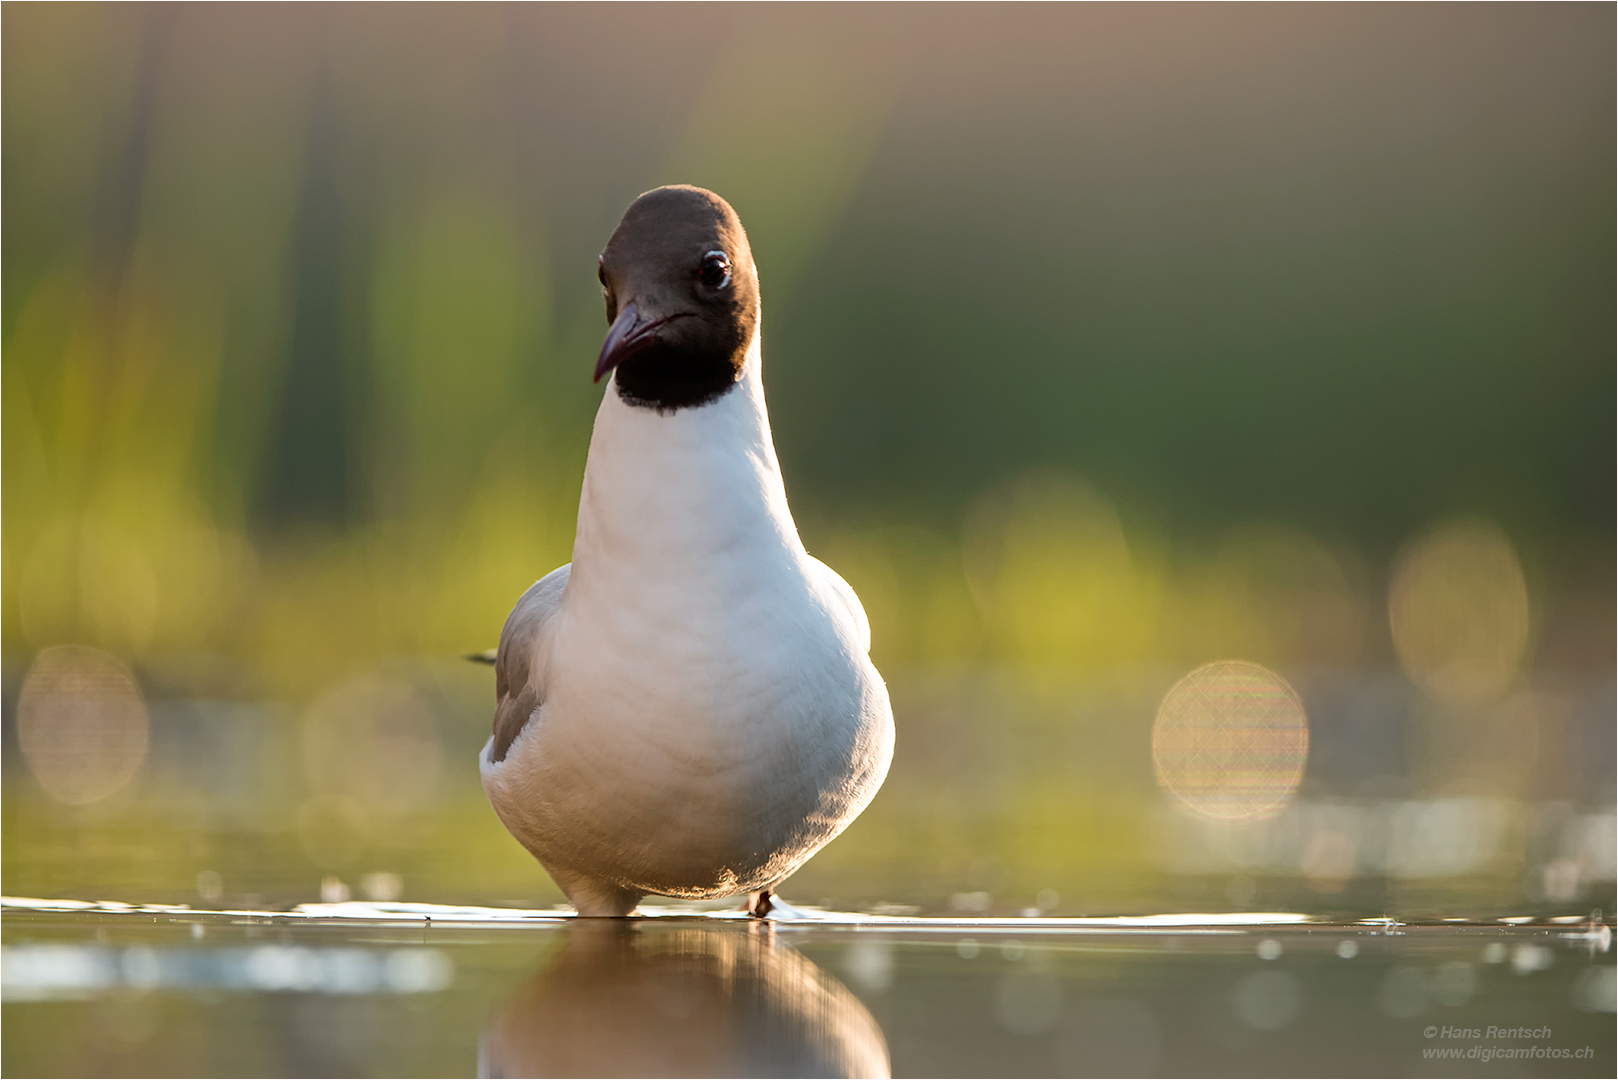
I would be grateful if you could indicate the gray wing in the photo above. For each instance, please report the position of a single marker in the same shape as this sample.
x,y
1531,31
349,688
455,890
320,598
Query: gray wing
x,y
518,689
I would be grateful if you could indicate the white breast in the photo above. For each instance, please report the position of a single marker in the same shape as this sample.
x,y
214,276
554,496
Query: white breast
x,y
710,716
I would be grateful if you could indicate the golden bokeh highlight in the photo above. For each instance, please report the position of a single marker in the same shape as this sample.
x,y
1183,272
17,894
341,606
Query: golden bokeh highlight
x,y
81,723
1230,741
375,742
1274,594
1051,568
1458,606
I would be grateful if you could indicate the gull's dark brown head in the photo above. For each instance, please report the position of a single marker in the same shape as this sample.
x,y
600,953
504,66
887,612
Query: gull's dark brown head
x,y
682,298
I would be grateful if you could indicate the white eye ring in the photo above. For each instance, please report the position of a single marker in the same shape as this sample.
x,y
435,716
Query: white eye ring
x,y
709,261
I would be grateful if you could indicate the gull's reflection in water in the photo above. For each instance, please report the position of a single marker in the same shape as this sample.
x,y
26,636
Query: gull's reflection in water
x,y
665,997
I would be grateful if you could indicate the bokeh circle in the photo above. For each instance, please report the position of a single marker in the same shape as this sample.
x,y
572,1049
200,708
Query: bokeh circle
x,y
1230,741
81,723
1458,607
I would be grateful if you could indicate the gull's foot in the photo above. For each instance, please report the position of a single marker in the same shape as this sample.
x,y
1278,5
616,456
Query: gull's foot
x,y
758,903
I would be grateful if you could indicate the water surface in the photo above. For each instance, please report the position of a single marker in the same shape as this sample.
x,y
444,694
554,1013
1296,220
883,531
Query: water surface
x,y
425,990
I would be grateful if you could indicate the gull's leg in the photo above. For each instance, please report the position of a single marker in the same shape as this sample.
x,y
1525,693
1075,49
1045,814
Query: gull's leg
x,y
593,897
758,902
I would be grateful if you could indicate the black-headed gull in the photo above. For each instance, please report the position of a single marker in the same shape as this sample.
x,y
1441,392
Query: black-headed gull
x,y
687,709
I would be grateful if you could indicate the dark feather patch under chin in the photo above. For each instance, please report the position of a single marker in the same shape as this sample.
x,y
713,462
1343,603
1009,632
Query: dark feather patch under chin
x,y
673,403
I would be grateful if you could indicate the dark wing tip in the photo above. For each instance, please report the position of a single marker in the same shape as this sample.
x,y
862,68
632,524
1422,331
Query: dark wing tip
x,y
510,717
487,656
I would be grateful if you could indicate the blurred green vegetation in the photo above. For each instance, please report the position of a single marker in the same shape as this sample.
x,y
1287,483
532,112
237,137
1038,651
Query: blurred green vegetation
x,y
1100,343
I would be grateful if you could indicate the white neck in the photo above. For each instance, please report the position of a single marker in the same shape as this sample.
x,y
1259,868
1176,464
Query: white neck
x,y
669,493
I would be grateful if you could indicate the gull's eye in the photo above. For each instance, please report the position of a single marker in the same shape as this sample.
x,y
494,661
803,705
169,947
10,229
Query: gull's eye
x,y
601,273
715,272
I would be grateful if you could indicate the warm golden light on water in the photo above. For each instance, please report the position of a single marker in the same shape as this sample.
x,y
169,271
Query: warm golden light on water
x,y
1458,605
302,308
82,723
1230,741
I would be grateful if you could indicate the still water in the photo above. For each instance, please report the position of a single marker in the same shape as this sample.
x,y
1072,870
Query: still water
x,y
426,990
